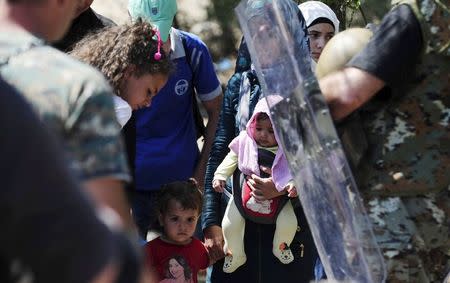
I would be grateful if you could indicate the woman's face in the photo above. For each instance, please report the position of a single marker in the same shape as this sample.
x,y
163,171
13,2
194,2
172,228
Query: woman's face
x,y
176,269
139,91
319,35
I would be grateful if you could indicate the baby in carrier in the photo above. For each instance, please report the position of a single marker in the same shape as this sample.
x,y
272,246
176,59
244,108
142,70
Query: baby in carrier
x,y
254,147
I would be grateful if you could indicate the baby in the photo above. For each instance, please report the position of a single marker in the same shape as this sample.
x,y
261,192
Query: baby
x,y
255,147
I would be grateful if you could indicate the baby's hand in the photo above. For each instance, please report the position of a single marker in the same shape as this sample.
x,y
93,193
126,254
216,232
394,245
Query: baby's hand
x,y
292,191
218,185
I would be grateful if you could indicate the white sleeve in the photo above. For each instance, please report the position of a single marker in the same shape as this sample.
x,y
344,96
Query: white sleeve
x,y
123,110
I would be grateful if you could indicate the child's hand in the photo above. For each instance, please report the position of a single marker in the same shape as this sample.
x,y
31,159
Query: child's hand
x,y
218,185
292,191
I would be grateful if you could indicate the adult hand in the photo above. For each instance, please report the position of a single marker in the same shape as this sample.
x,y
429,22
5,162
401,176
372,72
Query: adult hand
x,y
263,188
214,243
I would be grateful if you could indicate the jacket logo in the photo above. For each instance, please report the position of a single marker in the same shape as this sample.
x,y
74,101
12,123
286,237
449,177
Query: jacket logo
x,y
181,87
155,10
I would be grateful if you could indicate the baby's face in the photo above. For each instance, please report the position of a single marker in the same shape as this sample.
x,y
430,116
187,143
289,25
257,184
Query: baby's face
x,y
263,134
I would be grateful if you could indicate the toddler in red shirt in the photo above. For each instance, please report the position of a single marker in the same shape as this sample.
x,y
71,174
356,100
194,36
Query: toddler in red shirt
x,y
176,256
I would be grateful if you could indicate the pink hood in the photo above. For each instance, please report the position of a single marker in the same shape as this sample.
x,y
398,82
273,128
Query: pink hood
x,y
246,149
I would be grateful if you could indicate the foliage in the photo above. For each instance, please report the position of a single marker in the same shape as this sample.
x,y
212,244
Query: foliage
x,y
342,8
223,12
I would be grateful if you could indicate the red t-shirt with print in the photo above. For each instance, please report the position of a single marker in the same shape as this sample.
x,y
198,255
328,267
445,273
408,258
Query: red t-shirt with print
x,y
171,261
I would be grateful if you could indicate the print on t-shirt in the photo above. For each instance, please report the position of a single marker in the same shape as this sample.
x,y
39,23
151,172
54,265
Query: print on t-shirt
x,y
177,270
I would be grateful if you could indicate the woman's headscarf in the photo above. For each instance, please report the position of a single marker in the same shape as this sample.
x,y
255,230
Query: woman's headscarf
x,y
313,10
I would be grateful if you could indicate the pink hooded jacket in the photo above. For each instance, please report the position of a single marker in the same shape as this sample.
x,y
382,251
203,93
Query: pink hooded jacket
x,y
246,149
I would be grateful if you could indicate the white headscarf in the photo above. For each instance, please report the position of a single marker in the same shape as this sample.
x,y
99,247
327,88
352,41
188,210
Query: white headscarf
x,y
312,10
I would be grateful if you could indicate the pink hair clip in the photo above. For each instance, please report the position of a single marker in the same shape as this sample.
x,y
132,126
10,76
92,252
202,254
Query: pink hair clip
x,y
158,55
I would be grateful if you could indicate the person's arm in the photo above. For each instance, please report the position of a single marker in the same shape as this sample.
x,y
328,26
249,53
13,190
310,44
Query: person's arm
x,y
226,131
346,90
212,203
224,171
99,152
209,92
42,205
96,152
227,166
387,59
111,193
212,107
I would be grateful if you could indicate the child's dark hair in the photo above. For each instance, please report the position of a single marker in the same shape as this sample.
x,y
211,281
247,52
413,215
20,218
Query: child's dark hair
x,y
114,49
185,192
262,116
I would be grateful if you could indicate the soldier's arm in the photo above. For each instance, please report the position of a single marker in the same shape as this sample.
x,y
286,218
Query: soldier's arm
x,y
97,151
387,59
346,90
110,192
41,200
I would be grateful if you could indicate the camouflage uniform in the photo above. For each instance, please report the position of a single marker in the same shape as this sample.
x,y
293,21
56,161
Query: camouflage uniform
x,y
73,100
406,175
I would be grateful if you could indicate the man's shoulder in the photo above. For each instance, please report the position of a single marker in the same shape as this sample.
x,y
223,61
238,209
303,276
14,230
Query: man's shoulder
x,y
57,85
59,62
48,67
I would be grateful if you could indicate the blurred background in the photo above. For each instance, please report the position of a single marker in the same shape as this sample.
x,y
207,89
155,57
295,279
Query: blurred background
x,y
216,24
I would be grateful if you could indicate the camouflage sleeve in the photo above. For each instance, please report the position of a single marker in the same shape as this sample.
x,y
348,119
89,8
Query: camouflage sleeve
x,y
95,143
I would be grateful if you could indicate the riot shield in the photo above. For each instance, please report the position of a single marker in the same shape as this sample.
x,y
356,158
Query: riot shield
x,y
326,188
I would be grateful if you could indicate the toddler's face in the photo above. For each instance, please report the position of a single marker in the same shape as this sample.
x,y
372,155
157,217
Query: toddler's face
x,y
263,133
179,223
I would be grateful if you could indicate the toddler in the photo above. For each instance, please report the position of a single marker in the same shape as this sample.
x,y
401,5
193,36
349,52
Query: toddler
x,y
176,256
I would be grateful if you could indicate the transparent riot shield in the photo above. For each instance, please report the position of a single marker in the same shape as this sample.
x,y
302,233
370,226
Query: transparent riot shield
x,y
326,188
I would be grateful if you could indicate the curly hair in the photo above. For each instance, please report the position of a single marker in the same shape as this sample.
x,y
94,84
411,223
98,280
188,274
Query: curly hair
x,y
114,49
